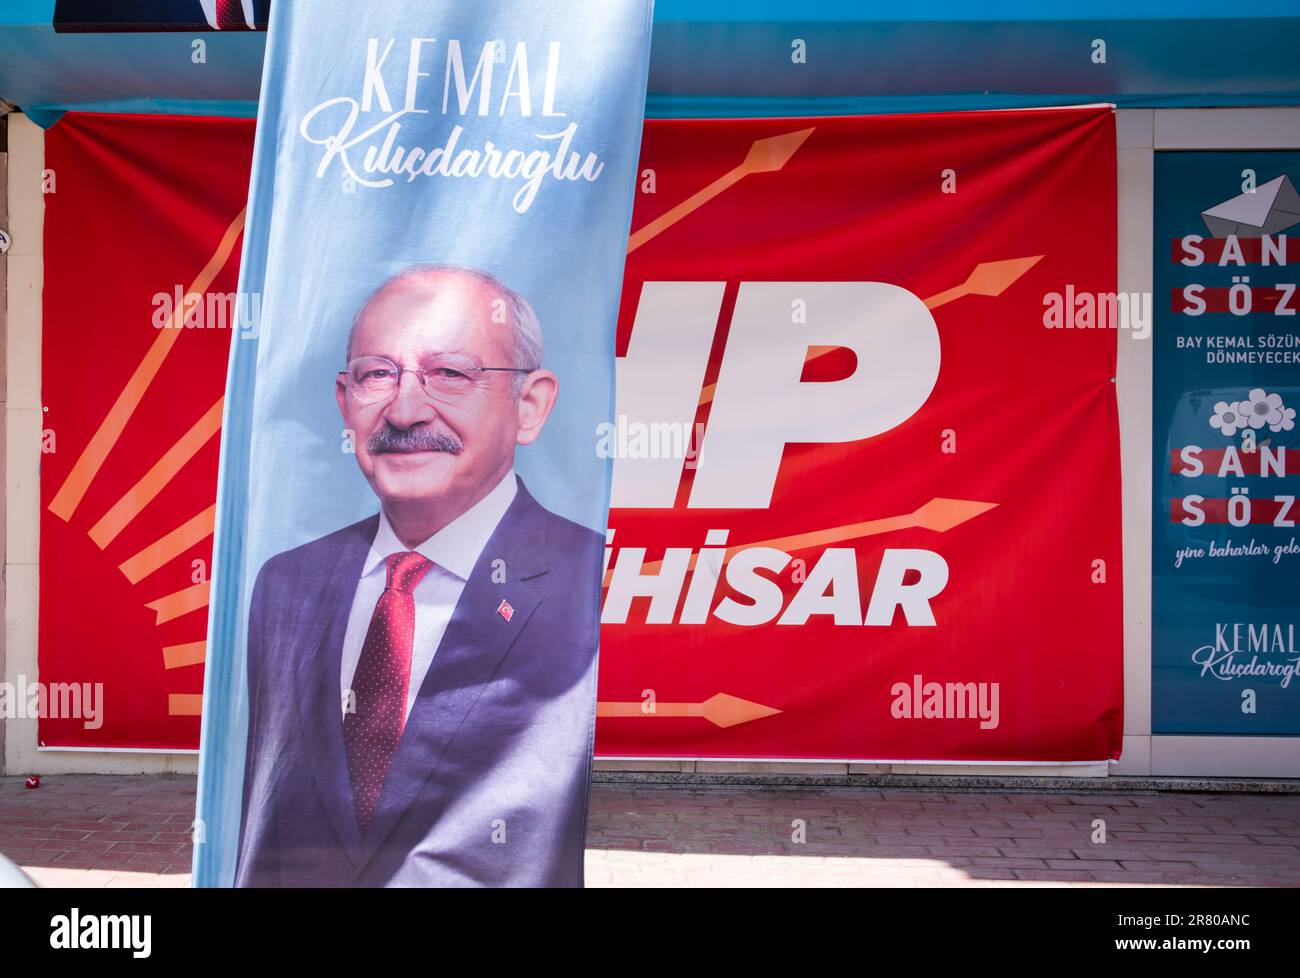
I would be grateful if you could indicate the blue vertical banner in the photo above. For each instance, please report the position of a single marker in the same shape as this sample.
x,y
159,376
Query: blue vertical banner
x,y
1225,635
401,662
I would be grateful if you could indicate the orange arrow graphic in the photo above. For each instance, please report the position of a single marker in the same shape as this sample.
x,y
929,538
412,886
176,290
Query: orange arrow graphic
x,y
181,603
939,515
110,429
720,709
185,704
169,546
764,156
189,654
990,278
156,479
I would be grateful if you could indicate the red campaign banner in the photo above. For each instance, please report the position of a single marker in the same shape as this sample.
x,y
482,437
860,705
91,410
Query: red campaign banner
x,y
840,342
139,211
951,478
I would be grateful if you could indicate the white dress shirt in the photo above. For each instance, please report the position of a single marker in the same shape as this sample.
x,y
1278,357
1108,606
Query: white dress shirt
x,y
454,550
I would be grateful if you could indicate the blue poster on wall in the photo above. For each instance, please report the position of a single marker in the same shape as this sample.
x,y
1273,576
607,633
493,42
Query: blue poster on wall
x,y
1226,445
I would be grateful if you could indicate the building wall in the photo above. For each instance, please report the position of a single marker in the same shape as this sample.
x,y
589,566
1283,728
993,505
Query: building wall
x,y
1141,133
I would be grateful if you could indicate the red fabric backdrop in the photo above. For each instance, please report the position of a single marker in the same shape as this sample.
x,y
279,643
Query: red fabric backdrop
x,y
140,205
1032,410
143,203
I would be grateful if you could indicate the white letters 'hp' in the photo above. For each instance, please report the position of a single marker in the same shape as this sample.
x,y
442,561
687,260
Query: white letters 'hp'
x,y
659,383
760,405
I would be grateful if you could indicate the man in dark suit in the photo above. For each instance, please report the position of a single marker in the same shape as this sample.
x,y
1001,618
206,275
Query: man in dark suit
x,y
161,15
421,684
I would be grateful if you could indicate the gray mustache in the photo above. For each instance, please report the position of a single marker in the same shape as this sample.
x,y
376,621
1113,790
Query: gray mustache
x,y
397,440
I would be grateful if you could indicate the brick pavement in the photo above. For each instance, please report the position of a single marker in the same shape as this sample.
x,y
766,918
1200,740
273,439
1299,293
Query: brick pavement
x,y
99,830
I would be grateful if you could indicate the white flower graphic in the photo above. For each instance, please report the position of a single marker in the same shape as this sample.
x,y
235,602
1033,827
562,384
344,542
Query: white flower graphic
x,y
1227,418
1286,422
1260,408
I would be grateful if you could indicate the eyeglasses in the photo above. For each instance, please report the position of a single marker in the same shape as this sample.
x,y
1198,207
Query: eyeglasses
x,y
445,377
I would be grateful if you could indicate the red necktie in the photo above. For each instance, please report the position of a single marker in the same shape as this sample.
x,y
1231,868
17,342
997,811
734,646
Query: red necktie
x,y
230,16
381,683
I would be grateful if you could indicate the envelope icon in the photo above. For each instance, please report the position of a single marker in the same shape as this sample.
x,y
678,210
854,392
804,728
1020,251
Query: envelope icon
x,y
1273,207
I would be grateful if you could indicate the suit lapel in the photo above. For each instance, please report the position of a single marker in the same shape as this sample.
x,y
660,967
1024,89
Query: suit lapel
x,y
472,649
319,697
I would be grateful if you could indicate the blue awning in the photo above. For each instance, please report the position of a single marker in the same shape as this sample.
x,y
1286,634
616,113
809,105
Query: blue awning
x,y
720,57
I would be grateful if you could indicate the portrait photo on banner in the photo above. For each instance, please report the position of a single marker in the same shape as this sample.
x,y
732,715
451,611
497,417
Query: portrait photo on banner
x,y
412,512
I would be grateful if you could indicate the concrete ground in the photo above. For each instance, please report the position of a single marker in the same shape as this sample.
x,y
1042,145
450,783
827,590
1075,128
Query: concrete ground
x,y
111,831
